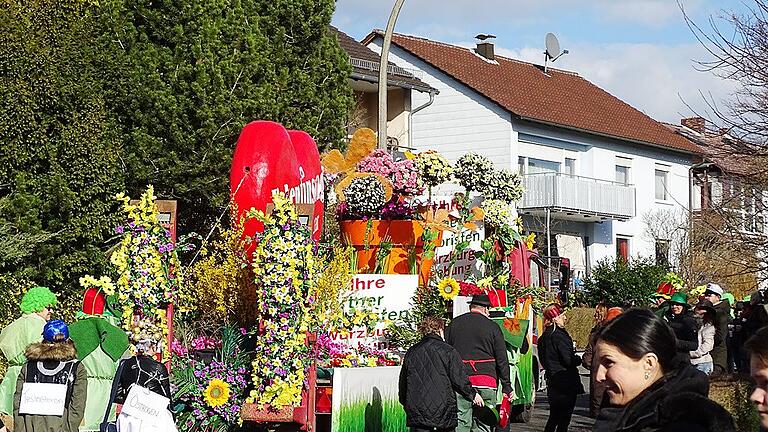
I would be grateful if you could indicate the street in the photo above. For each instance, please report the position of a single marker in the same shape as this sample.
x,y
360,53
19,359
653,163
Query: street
x,y
580,421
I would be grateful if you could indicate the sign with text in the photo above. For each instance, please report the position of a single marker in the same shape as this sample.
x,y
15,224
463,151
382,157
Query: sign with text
x,y
389,296
43,399
145,404
466,262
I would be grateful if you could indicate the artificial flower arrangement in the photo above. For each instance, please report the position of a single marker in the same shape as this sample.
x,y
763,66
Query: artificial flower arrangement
x,y
211,391
299,291
284,270
146,268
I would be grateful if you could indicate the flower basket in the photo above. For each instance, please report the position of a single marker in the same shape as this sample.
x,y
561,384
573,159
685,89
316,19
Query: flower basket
x,y
406,241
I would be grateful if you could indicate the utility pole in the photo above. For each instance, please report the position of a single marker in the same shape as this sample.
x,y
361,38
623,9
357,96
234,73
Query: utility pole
x,y
382,143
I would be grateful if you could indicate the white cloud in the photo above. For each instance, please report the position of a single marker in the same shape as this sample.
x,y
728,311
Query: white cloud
x,y
656,79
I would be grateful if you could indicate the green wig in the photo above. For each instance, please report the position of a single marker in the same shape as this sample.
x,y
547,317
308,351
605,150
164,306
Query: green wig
x,y
37,299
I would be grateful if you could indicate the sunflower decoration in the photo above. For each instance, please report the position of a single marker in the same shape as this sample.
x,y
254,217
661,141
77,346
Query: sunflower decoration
x,y
448,287
217,393
530,240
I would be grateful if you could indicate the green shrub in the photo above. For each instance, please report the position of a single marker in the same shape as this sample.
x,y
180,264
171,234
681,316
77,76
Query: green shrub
x,y
733,395
621,283
580,323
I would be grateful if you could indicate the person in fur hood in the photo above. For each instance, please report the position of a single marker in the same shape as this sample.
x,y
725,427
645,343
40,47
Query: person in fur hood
x,y
649,386
52,387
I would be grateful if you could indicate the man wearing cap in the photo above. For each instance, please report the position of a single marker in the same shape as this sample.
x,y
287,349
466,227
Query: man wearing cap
x,y
714,293
36,307
481,346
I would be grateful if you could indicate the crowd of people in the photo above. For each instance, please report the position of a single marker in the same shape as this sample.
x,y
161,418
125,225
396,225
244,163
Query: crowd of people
x,y
67,377
650,368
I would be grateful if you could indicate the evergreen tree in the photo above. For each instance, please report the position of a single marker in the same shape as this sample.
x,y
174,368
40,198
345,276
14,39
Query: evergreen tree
x,y
196,71
58,162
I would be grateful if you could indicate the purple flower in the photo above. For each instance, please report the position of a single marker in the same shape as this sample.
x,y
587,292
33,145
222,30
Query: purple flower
x,y
119,229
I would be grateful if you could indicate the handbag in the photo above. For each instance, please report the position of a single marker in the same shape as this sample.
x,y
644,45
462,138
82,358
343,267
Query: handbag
x,y
106,425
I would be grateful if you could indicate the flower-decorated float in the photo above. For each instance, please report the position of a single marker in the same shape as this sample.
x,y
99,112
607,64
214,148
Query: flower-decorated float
x,y
324,324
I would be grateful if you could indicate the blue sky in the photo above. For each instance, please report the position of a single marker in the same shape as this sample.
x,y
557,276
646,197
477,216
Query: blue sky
x,y
642,51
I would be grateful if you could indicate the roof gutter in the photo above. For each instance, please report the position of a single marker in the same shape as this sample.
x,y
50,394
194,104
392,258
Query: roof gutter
x,y
414,111
591,132
395,82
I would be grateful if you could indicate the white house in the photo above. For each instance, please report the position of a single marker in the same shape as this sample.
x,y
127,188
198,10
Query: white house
x,y
593,165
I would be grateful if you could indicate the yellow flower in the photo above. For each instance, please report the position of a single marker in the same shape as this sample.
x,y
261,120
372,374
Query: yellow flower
x,y
217,393
530,240
449,288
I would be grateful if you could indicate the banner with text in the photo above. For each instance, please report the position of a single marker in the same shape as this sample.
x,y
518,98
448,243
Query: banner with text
x,y
389,296
466,262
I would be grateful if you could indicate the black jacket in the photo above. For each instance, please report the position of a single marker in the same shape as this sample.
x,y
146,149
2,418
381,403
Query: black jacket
x,y
722,318
686,331
431,375
477,338
560,361
676,403
146,372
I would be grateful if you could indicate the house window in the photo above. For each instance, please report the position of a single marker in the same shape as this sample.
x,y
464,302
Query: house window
x,y
622,248
661,184
570,166
521,165
538,166
622,174
662,253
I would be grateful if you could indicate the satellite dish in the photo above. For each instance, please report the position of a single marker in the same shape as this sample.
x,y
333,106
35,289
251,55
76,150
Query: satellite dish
x,y
552,45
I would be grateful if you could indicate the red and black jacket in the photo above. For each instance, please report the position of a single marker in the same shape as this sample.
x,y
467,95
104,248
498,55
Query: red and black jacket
x,y
482,348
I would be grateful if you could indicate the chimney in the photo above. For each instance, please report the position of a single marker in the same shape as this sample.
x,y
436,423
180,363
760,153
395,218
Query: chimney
x,y
696,123
485,49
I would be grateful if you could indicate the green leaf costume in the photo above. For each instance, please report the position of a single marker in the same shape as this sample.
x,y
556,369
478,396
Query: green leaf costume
x,y
14,340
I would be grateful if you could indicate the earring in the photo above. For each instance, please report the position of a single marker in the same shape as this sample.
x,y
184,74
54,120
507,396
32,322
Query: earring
x,y
647,375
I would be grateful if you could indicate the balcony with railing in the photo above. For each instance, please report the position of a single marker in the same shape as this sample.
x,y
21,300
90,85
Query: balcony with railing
x,y
576,198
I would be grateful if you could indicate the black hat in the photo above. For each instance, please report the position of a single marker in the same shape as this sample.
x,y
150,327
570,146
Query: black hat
x,y
706,305
481,300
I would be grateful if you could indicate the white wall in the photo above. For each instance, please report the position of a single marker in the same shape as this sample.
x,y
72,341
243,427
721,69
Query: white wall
x,y
597,157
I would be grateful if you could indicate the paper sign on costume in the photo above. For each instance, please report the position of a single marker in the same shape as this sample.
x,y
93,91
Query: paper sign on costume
x,y
389,295
43,399
145,405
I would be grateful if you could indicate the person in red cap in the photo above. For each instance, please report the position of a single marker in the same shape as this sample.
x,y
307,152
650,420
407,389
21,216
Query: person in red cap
x,y
481,346
558,357
661,299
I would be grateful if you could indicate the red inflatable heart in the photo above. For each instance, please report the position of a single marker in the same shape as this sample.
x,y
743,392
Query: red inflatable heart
x,y
267,159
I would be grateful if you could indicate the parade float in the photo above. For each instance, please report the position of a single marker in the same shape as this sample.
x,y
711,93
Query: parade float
x,y
334,319
273,326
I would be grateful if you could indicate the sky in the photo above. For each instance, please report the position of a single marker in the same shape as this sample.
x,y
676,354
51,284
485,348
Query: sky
x,y
641,51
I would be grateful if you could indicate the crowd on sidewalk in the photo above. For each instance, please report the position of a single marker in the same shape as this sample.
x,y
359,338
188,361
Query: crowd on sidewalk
x,y
650,368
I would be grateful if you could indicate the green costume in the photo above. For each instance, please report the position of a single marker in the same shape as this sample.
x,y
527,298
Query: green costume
x,y
100,346
14,340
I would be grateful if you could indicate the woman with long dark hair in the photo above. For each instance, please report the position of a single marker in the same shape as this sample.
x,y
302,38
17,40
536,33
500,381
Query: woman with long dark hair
x,y
556,352
649,387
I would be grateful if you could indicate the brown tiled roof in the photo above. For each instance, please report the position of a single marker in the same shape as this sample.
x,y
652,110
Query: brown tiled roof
x,y
357,51
559,98
716,148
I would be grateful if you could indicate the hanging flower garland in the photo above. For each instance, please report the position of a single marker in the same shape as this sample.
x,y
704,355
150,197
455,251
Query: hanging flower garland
x,y
146,264
284,268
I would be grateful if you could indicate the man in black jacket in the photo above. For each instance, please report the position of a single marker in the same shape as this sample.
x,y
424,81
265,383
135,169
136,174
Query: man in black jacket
x,y
431,375
481,345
